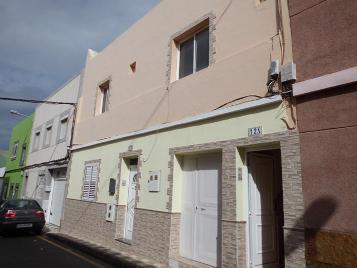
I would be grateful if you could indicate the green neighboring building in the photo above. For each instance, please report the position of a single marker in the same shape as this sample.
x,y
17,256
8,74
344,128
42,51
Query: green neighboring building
x,y
16,158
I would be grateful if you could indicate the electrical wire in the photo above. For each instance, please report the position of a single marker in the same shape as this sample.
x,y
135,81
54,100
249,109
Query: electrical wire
x,y
240,98
60,161
37,101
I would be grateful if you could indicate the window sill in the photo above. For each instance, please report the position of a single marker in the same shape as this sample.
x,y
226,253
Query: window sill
x,y
190,75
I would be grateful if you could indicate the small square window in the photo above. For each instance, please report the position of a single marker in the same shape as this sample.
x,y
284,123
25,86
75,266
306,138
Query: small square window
x,y
133,67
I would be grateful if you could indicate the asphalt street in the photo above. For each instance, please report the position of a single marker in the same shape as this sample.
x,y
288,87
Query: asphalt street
x,y
25,250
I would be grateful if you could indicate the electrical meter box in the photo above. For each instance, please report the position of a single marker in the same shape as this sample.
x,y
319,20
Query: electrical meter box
x,y
154,181
288,73
110,215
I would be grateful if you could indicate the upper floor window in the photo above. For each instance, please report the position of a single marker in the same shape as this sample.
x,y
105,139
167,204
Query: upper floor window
x,y
23,154
63,128
14,150
36,142
194,53
104,97
48,136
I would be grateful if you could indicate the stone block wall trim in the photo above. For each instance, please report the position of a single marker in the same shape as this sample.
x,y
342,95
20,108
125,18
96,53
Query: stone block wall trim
x,y
86,220
212,39
120,219
91,162
292,194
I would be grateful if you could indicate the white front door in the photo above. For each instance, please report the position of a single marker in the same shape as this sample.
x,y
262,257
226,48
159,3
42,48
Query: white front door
x,y
262,229
57,200
199,217
130,207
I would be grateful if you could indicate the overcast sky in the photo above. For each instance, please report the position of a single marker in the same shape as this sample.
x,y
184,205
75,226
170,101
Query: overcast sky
x,y
43,43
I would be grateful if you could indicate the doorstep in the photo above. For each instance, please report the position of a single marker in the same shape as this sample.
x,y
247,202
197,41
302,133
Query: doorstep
x,y
51,228
103,253
182,262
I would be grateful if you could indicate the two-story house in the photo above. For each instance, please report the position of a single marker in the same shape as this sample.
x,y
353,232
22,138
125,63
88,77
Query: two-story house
x,y
16,160
183,153
48,152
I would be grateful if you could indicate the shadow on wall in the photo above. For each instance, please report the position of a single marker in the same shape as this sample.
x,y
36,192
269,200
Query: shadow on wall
x,y
315,217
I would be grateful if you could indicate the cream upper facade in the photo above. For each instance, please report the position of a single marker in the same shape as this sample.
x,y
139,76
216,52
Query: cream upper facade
x,y
141,65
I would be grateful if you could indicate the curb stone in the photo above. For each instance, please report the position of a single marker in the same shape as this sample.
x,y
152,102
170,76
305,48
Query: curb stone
x,y
105,254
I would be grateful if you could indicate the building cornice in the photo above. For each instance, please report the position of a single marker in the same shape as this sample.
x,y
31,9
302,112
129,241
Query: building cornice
x,y
325,82
189,120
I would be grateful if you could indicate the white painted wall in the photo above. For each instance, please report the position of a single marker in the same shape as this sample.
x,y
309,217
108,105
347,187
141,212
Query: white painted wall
x,y
56,150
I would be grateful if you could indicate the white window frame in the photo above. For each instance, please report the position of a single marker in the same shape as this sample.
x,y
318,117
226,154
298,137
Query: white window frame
x,y
194,52
48,135
90,182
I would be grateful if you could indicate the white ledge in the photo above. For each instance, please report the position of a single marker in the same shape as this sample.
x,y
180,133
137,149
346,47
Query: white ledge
x,y
189,120
326,81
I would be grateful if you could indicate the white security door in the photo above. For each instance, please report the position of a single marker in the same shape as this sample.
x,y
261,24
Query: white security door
x,y
262,229
199,218
57,197
130,208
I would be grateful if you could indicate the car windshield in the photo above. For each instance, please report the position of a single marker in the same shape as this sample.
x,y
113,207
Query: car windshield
x,y
22,204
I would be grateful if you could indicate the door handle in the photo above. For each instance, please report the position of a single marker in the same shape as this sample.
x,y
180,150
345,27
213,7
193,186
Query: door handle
x,y
203,209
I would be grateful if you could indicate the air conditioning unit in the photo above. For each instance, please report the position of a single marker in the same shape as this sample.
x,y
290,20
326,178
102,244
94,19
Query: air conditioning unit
x,y
110,215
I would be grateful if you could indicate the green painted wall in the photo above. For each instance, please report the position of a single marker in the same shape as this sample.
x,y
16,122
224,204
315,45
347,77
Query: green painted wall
x,y
21,134
3,157
155,156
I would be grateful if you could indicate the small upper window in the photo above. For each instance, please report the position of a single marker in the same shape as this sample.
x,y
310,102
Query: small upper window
x,y
48,136
14,150
104,97
63,128
23,154
194,53
36,142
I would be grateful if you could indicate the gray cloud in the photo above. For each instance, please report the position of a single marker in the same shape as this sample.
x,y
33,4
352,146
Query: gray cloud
x,y
43,43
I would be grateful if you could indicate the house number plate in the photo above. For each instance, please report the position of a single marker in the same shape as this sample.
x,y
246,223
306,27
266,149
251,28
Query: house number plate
x,y
255,131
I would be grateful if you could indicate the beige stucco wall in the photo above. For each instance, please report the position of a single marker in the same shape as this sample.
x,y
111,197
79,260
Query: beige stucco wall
x,y
245,40
155,148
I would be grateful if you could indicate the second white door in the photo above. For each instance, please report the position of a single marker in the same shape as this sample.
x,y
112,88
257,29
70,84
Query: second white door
x,y
199,218
130,208
57,197
262,229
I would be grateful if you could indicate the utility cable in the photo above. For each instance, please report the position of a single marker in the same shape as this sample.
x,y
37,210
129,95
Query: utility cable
x,y
37,101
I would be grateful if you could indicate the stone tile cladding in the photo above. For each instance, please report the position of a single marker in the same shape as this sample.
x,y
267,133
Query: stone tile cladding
x,y
86,220
156,234
120,221
233,251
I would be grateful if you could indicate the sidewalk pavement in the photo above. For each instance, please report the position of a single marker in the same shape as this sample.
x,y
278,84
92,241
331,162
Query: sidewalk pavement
x,y
107,255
